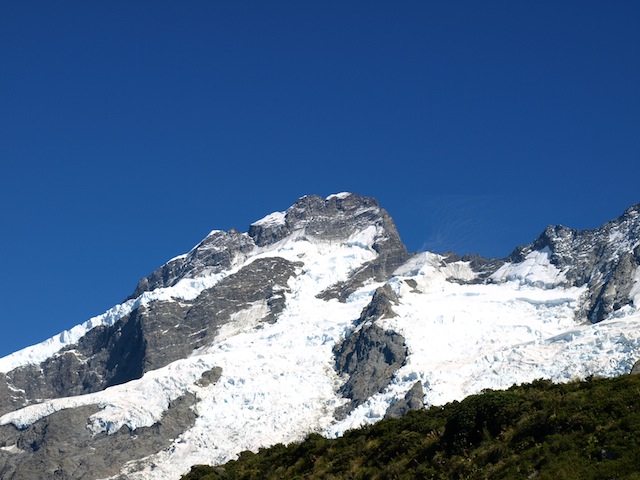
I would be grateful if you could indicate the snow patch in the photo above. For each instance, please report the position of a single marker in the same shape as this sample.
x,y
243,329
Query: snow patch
x,y
363,238
243,321
431,272
634,294
13,449
535,270
339,196
177,257
271,220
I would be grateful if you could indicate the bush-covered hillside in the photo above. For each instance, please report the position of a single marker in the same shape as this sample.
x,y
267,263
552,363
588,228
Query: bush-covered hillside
x,y
582,430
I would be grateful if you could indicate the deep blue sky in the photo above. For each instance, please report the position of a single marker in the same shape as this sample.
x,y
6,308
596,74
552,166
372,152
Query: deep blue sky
x,y
129,130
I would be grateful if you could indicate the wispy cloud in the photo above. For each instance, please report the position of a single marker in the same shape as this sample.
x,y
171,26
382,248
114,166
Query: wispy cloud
x,y
463,223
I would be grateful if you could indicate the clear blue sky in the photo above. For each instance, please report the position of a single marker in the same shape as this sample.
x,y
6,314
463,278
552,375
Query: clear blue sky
x,y
129,130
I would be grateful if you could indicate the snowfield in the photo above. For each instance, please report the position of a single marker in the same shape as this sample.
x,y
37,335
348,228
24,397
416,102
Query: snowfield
x,y
278,381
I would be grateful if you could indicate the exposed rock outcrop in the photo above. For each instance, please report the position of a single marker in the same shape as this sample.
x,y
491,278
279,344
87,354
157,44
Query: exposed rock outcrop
x,y
60,446
218,251
411,401
605,259
152,336
332,219
338,218
370,356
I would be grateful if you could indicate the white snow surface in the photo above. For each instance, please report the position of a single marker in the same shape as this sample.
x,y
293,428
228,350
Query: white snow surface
x,y
340,196
429,268
635,290
536,270
278,381
273,219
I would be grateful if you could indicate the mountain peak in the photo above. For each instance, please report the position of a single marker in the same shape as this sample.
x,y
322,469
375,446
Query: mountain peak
x,y
604,260
335,218
633,211
331,218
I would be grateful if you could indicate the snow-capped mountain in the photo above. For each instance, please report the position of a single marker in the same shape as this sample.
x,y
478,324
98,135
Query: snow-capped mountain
x,y
315,320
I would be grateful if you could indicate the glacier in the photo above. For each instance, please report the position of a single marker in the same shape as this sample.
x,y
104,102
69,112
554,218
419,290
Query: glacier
x,y
278,381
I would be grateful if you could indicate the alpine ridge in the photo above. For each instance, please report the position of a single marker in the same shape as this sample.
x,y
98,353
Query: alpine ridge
x,y
317,319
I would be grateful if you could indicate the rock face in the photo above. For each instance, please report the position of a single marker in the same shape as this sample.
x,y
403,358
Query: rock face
x,y
235,283
411,401
340,218
57,446
151,337
337,217
605,260
370,355
219,251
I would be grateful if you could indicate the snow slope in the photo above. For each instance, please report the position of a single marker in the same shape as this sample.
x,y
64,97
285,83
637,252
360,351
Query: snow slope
x,y
463,339
278,381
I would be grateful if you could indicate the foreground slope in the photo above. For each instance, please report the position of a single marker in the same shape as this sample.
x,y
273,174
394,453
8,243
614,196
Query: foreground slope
x,y
315,320
580,430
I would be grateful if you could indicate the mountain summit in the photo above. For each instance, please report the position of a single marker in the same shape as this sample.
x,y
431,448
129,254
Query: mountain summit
x,y
314,320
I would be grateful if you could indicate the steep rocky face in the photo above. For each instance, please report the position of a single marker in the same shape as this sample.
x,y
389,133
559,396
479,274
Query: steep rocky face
x,y
370,355
605,260
105,356
411,401
57,446
349,215
337,217
150,337
219,251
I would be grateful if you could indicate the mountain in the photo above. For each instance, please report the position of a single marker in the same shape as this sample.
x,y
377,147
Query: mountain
x,y
317,319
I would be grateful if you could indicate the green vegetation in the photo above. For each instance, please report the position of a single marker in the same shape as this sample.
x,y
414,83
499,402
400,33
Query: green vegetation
x,y
581,430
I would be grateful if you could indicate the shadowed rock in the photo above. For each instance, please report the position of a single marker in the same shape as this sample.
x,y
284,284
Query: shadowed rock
x,y
371,355
411,401
60,446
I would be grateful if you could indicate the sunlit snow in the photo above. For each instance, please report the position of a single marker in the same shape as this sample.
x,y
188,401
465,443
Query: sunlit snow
x,y
275,218
536,270
340,196
278,381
